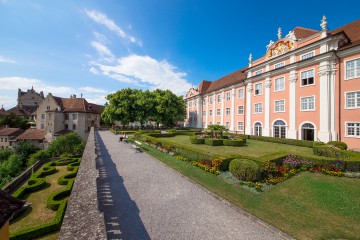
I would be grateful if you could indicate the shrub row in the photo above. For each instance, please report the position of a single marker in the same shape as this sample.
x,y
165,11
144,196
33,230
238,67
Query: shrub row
x,y
160,135
295,142
322,149
54,201
213,142
341,145
195,140
234,143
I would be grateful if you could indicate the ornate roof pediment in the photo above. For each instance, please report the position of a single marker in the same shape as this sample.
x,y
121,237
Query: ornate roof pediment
x,y
279,48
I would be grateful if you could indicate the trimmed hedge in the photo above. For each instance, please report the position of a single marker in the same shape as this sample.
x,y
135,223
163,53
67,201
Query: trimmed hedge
x,y
213,142
338,144
245,170
55,201
295,142
161,135
187,133
225,164
234,143
322,149
195,140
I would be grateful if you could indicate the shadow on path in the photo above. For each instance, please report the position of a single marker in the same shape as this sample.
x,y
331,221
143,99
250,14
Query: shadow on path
x,y
121,214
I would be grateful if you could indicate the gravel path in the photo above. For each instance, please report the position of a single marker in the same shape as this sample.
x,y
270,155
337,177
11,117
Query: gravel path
x,y
141,198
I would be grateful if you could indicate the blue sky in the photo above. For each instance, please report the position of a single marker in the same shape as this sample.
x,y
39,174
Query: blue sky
x,y
98,47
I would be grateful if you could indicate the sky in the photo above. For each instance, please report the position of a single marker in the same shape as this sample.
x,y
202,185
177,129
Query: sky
x,y
95,48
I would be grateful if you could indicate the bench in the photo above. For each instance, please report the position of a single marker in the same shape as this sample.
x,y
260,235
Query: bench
x,y
136,145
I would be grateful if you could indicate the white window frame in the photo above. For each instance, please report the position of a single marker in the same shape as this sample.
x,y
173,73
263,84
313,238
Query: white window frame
x,y
190,104
279,90
227,111
195,103
345,72
218,98
210,112
258,72
240,126
280,63
308,110
356,102
204,113
301,84
261,89
239,109
210,100
261,104
228,97
227,125
204,102
346,129
218,112
218,123
279,100
302,56
241,96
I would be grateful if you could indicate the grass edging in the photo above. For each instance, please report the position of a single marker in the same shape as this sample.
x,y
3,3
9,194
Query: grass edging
x,y
53,201
209,188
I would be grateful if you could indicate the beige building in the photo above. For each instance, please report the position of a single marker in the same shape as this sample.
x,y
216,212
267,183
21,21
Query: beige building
x,y
35,136
7,135
58,115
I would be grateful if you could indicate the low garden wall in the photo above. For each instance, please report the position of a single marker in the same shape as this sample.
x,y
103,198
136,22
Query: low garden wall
x,y
82,219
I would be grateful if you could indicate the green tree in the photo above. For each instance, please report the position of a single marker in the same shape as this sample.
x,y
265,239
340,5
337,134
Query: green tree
x,y
10,168
169,108
121,107
14,121
24,148
5,154
216,130
144,106
70,143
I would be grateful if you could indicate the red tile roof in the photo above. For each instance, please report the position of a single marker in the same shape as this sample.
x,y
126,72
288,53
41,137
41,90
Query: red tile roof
x,y
25,111
231,79
77,105
352,30
32,134
11,131
301,32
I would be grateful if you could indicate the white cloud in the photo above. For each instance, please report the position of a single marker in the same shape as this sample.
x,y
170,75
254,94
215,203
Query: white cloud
x,y
102,19
100,37
6,60
97,99
94,70
103,51
93,90
144,70
13,83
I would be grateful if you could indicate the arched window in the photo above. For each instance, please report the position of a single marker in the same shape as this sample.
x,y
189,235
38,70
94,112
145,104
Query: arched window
x,y
279,129
258,129
308,132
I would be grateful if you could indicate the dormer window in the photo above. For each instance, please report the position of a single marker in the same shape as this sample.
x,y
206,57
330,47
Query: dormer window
x,y
258,72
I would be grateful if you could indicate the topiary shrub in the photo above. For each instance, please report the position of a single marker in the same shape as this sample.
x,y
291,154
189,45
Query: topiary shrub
x,y
225,164
195,140
214,142
338,144
245,170
234,143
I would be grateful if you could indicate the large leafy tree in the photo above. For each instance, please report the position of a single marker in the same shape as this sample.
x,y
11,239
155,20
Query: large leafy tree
x,y
130,105
14,121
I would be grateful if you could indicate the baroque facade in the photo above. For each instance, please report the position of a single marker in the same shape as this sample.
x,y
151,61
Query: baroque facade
x,y
306,86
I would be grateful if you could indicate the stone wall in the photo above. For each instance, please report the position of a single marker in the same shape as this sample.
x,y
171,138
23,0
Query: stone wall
x,y
82,219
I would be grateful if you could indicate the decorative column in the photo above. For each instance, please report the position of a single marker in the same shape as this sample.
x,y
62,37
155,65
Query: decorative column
x,y
199,112
248,128
207,112
232,121
222,107
214,109
267,107
327,101
292,132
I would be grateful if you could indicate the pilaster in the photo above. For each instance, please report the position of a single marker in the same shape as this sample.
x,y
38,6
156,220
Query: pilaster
x,y
232,122
207,112
292,132
266,131
214,110
222,108
248,128
199,112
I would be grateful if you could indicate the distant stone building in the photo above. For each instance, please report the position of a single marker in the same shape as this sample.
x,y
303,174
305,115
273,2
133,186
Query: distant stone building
x,y
35,136
27,103
7,135
58,115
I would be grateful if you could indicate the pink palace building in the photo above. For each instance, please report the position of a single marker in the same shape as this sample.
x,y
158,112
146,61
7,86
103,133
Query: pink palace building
x,y
306,86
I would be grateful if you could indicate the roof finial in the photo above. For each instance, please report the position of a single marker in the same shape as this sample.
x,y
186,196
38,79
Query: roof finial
x,y
250,58
323,24
279,33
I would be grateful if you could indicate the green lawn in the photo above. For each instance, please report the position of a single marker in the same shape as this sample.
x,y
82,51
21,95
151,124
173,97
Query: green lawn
x,y
253,148
37,213
307,206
